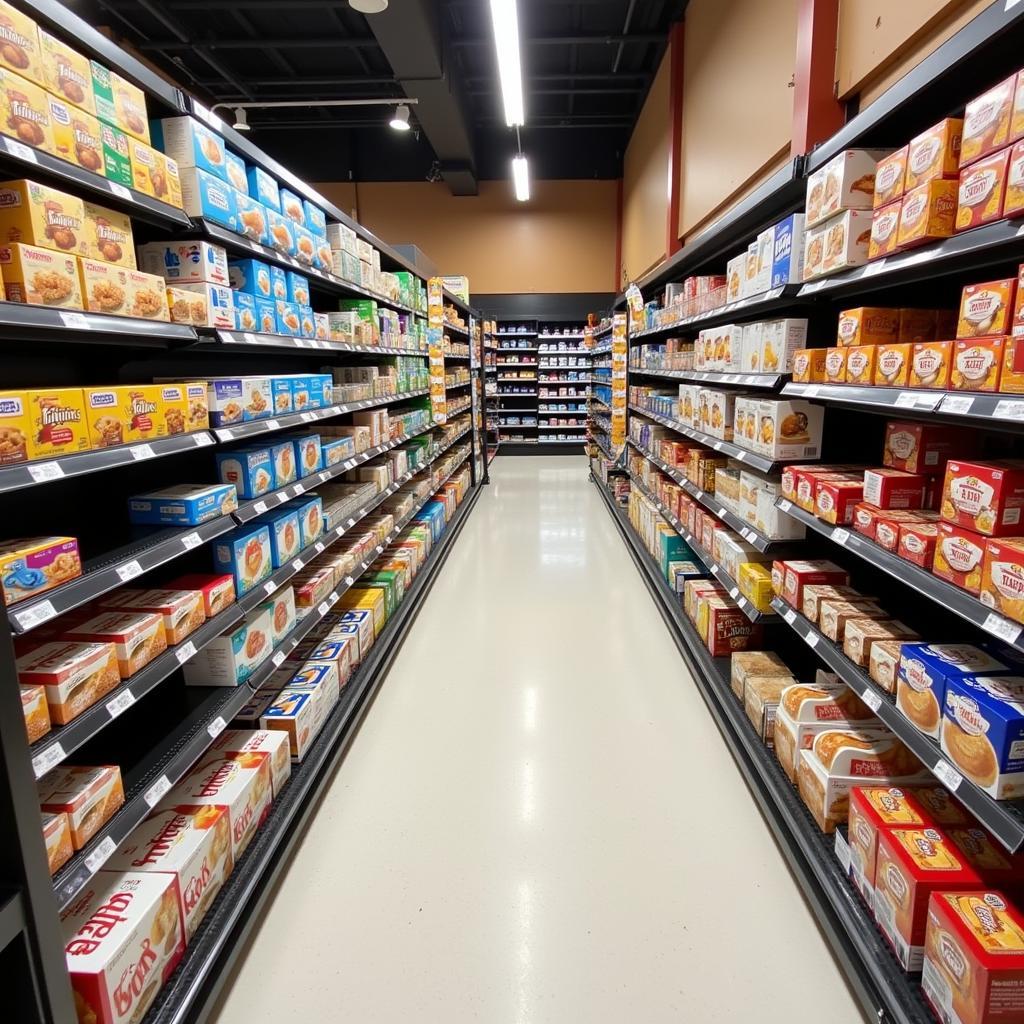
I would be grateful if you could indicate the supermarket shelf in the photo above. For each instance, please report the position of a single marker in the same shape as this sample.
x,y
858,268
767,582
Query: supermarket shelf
x,y
233,339
769,381
725,447
515,334
27,474
505,409
601,350
733,521
998,411
594,400
542,411
602,331
564,351
507,364
1004,818
300,419
490,369
755,305
885,992
20,322
713,567
455,328
94,187
236,910
113,569
942,593
565,426
563,369
562,337
563,381
454,357
461,384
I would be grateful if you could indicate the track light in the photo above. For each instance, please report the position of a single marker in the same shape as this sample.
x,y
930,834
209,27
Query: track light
x,y
505,21
400,119
368,6
521,178
241,120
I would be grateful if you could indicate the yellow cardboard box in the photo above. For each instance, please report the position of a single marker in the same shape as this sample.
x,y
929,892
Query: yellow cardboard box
x,y
39,215
40,277
108,236
66,73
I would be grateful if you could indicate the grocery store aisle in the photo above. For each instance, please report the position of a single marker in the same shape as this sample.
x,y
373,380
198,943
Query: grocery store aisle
x,y
538,821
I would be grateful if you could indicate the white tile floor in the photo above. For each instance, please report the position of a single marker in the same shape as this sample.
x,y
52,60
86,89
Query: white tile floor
x,y
548,828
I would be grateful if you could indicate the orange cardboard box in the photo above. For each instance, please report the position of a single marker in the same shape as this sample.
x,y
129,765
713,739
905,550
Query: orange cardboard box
x,y
929,212
987,122
809,365
917,543
958,557
835,365
892,365
977,364
934,153
985,308
860,364
985,496
920,325
868,325
981,191
138,637
885,223
1002,577
1011,380
930,365
890,176
1013,201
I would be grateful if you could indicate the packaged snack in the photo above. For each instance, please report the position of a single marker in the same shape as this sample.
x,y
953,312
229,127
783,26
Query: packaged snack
x,y
245,553
183,505
282,233
182,407
293,712
73,675
892,365
285,535
211,305
958,557
1013,200
34,711
754,663
117,162
888,523
860,364
985,309
984,496
835,365
883,663
885,223
189,262
292,207
119,103
761,700
123,414
920,447
846,182
231,658
893,488
40,277
931,363
88,796
935,153
19,44
165,180
124,937
138,637
192,145
183,611
835,497
253,218
846,240
977,364
264,187
1002,577
834,614
799,574
917,543
987,122
814,252
239,742
868,325
217,591
206,195
77,135
789,429
251,277
890,176
249,470
24,111
57,836
815,593
861,635
30,567
809,365
280,612
981,191
929,212
238,399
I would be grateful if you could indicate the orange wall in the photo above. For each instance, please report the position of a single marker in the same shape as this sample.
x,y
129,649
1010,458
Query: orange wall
x,y
562,240
645,184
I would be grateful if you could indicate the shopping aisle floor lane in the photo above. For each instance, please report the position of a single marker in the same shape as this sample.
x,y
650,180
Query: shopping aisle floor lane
x,y
538,821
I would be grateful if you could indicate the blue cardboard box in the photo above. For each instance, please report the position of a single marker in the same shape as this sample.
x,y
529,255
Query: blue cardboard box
x,y
251,277
282,234
245,553
183,505
311,517
278,284
250,470
306,246
285,534
253,218
316,219
266,316
788,257
300,392
288,320
282,454
205,195
263,186
321,387
281,393
337,450
307,322
298,288
235,171
292,208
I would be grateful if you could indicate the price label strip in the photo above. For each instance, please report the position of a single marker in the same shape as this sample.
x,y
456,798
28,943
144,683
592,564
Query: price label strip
x,y
121,703
42,763
95,860
948,775
157,790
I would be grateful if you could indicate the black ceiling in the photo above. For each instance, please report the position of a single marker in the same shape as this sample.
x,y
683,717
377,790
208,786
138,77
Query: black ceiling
x,y
587,67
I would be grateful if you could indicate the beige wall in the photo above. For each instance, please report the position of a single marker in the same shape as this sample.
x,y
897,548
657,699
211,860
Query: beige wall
x,y
737,101
562,240
645,184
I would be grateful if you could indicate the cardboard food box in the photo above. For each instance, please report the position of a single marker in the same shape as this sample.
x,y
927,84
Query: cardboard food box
x,y
123,939
833,615
890,178
103,287
935,153
799,574
264,743
809,365
57,837
280,611
883,664
1011,379
973,969
789,429
913,863
231,658
34,711
885,223
986,497
925,671
34,565
1013,200
190,262
977,364
846,240
860,635
184,505
24,108
217,591
182,611
888,523
183,407
138,637
958,557
77,135
982,191
987,122
892,365
40,277
920,447
835,498
835,365
249,470
754,663
860,364
39,215
928,212
893,488
917,543
868,325
815,593
1002,577
761,700
121,415
931,363
985,309
729,629
191,144
41,424
245,553
846,182
88,796
814,252
21,51
74,676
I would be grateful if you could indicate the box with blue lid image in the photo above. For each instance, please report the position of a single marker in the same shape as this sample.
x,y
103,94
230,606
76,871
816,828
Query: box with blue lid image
x,y
321,390
243,299
293,712
280,608
266,316
282,235
337,449
250,276
362,620
245,553
308,454
183,504
292,208
235,172
298,288
249,470
924,672
788,254
191,145
307,322
337,651
281,392
983,732
253,218
282,455
321,683
278,283
300,392
285,534
288,320
231,658
311,517
316,219
205,195
252,394
305,246
245,315
263,186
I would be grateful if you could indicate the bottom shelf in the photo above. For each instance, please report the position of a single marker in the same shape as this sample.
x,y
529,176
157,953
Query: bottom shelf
x,y
192,989
885,992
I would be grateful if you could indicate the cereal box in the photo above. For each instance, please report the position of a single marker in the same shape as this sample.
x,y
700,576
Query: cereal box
x,y
984,496
921,447
890,176
74,675
928,213
1002,577
25,110
124,937
860,364
931,363
19,44
986,308
885,223
892,365
935,153
977,364
846,241
787,262
77,136
108,236
958,557
39,215
982,190
987,122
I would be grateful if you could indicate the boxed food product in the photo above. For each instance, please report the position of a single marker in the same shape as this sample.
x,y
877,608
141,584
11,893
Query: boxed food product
x,y
860,364
293,712
253,218
984,496
868,325
57,837
190,262
920,447
986,308
884,230
41,424
40,277
124,414
119,102
846,240
761,701
799,574
893,488
263,744
280,612
249,470
973,957
182,407
890,176
183,505
234,399
754,663
20,51
835,365
888,524
264,187
928,212
931,363
982,191
788,251
206,195
138,637
815,593
191,144
728,629
282,233
183,611
217,591
24,110
77,135
34,711
285,535
917,543
211,304
73,675
1013,200
833,615
934,153
846,182
88,796
892,365
32,566
835,498
245,553
925,670
789,429
231,658
124,937
860,635
958,557
987,122
809,365
1002,577
780,340
977,364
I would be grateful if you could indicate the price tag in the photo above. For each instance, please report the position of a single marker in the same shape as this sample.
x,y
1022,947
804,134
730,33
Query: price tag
x,y
269,587
811,391
35,616
157,790
379,549
43,762
75,320
811,640
216,727
714,569
120,703
191,540
278,658
95,860
351,522
319,548
129,570
250,338
20,150
226,435
717,446
741,455
1009,410
790,617
784,504
948,775
296,490
323,608
141,451
734,593
260,507
1002,628
184,652
307,417
906,400
282,497
842,848
841,536
349,581
957,403
43,471
872,699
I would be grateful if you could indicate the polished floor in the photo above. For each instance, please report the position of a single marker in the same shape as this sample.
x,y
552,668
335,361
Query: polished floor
x,y
538,821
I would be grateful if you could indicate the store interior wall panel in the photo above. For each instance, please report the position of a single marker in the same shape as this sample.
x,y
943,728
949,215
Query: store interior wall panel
x,y
543,306
737,67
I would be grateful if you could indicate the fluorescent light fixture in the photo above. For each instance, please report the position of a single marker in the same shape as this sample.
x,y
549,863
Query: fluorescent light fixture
x,y
368,6
505,20
521,178
400,120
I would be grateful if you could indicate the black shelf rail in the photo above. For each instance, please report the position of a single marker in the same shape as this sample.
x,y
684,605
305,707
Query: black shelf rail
x,y
883,989
921,580
455,329
768,381
1003,818
236,910
20,322
239,341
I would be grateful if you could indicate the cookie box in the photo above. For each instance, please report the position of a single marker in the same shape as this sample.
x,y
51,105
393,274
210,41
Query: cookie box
x,y
123,939
34,711
890,178
958,557
307,453
73,675
305,246
187,262
183,611
261,742
57,837
211,305
927,213
809,365
124,414
30,567
183,505
884,663
934,153
293,712
250,276
789,429
21,49
312,587
892,365
984,496
815,593
744,664
924,673
138,637
24,108
280,612
835,498
834,614
40,277
868,325
249,470
885,223
285,535
860,364
43,424
1013,201
917,543
860,636
728,629
43,216
253,218
835,365
987,122
893,488
88,796
231,658
1002,577
982,191
921,447
931,363
846,182
761,702
282,233
888,524
977,364
217,591
191,144
985,309
245,553
264,187
238,399
799,574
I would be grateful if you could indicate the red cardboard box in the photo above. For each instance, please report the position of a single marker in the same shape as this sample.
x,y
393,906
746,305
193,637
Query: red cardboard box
x,y
987,122
865,519
922,447
893,488
834,498
986,497
982,191
958,557
801,573
917,543
887,527
730,630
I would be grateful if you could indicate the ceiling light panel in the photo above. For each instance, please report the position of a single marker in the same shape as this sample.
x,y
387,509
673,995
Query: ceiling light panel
x,y
505,21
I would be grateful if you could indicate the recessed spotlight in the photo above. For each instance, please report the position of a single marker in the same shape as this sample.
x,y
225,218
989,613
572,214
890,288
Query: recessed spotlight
x,y
400,119
241,120
368,6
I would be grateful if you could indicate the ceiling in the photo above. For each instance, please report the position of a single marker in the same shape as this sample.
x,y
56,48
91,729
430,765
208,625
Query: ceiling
x,y
587,66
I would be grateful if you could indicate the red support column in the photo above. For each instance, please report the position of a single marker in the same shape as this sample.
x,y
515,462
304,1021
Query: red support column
x,y
817,113
618,238
675,134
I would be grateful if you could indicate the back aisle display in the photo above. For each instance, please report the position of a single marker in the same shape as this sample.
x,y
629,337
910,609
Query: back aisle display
x,y
195,660
823,493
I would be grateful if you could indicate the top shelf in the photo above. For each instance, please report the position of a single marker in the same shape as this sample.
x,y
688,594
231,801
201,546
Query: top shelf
x,y
766,302
514,334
